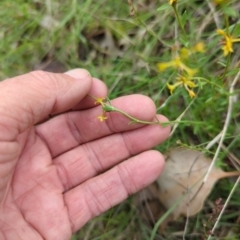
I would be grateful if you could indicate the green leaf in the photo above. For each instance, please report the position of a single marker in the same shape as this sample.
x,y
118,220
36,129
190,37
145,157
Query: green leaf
x,y
229,11
184,18
164,7
183,41
233,72
236,30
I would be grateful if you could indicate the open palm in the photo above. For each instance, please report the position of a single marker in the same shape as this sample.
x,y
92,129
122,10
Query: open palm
x,y
57,175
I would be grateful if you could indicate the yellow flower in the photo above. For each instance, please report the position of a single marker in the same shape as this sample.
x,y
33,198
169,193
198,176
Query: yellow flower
x,y
102,117
164,65
173,2
199,47
172,87
228,42
183,81
100,101
187,73
178,64
186,52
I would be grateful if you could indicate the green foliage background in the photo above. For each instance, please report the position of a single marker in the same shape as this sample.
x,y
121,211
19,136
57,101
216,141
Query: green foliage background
x,y
123,51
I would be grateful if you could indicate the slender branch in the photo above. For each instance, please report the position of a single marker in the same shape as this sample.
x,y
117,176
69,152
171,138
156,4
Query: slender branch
x,y
225,127
178,120
179,21
215,140
214,13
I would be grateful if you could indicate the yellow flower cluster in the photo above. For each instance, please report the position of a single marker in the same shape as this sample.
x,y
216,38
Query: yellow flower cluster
x,y
186,73
227,42
102,117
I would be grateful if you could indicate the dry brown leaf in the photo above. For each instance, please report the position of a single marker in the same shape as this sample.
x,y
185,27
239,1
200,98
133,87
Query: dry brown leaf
x,y
183,173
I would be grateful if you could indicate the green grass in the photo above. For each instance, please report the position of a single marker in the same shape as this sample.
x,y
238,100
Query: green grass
x,y
123,51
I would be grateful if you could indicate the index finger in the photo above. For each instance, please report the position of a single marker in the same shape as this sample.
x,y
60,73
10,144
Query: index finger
x,y
71,129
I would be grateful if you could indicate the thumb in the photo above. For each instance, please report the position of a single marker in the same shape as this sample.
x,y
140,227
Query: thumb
x,y
26,99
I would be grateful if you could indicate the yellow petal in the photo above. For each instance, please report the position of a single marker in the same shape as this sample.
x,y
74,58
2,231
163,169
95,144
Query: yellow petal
x,y
164,65
171,88
221,32
99,100
191,93
102,118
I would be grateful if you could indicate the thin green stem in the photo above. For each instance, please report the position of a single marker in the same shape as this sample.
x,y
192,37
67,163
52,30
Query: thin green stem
x,y
108,107
89,95
135,120
227,66
179,21
226,23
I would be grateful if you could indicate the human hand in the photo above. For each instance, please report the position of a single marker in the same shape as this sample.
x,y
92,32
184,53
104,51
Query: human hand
x,y
57,175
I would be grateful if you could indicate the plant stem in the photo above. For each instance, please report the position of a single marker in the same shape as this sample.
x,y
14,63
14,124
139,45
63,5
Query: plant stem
x,y
179,21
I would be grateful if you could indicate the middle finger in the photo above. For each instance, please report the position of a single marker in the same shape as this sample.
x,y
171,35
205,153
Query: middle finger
x,y
93,158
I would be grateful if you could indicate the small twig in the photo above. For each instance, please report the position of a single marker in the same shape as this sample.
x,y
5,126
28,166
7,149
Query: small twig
x,y
225,127
215,140
214,13
180,117
222,135
115,83
204,24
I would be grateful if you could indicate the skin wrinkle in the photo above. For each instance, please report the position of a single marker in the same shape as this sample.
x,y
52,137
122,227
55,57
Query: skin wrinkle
x,y
10,149
22,212
29,223
103,192
31,113
97,166
41,184
16,207
82,133
38,134
110,124
6,171
121,169
87,202
35,140
95,198
7,128
32,227
52,83
49,81
98,169
68,214
73,129
126,138
63,176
